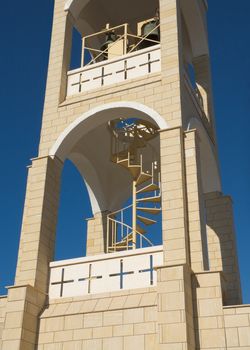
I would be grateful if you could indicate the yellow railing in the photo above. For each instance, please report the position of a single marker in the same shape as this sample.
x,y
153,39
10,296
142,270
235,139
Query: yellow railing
x,y
131,42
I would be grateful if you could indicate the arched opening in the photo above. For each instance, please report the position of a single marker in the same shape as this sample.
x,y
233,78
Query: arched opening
x,y
87,143
109,29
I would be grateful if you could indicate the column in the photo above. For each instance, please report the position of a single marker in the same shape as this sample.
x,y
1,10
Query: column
x,y
96,234
196,213
37,241
175,308
174,210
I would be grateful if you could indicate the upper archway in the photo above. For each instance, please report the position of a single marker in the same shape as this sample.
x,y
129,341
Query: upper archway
x,y
86,142
98,116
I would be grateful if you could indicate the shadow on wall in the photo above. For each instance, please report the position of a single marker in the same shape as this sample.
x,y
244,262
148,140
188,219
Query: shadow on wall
x,y
222,245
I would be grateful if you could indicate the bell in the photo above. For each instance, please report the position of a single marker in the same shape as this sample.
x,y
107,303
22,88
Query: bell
x,y
110,38
150,30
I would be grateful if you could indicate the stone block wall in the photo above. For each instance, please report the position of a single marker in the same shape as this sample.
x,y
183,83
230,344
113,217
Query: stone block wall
x,y
123,321
222,244
218,326
237,325
3,302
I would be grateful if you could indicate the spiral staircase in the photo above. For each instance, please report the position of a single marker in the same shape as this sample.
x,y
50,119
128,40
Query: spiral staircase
x,y
128,227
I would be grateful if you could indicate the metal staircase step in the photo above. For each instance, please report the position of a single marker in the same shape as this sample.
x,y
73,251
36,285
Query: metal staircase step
x,y
154,199
140,229
123,162
124,243
134,170
119,248
150,188
143,177
146,221
150,210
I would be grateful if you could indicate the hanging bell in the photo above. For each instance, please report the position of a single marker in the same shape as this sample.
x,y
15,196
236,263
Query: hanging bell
x,y
110,38
150,30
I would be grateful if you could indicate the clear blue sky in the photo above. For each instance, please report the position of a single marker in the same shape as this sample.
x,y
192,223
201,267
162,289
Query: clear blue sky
x,y
25,36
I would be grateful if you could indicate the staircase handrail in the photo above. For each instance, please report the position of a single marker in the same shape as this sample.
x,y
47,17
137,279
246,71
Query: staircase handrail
x,y
137,232
120,210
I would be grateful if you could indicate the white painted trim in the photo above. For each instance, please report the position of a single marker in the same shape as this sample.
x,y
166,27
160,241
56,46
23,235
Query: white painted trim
x,y
159,120
67,5
109,256
106,273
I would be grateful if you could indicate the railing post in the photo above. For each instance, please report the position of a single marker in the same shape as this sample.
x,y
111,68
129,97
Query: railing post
x,y
125,38
83,51
107,243
134,215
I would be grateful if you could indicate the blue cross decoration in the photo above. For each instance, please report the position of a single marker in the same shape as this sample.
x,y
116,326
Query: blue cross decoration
x,y
89,278
80,82
61,283
126,69
121,274
102,76
151,270
149,63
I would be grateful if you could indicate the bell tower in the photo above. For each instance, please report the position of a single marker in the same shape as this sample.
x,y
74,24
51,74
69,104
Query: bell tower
x,y
136,119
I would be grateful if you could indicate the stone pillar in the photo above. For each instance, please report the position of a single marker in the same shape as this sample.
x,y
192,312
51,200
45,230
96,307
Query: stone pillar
x,y
222,244
96,234
37,241
196,214
174,211
175,308
169,105
24,305
208,311
59,61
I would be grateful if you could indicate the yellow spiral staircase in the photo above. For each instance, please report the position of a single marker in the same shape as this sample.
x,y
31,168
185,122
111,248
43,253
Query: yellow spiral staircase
x,y
146,193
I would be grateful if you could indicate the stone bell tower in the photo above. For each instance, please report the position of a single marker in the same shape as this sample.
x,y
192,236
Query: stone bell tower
x,y
136,118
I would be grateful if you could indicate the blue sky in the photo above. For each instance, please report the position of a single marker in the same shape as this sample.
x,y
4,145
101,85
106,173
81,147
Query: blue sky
x,y
25,37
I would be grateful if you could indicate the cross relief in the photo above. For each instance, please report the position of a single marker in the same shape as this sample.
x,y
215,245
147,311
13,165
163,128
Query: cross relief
x,y
83,80
123,274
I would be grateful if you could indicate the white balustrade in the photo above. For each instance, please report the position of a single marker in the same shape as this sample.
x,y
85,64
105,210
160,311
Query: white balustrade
x,y
130,66
105,273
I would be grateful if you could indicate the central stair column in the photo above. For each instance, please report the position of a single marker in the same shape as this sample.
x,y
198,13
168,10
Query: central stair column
x,y
134,215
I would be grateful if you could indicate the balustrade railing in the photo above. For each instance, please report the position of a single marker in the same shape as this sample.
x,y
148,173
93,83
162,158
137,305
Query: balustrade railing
x,y
117,70
105,273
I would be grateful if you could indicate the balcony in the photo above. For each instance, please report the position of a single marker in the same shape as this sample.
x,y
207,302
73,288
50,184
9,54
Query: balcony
x,y
130,66
105,273
122,56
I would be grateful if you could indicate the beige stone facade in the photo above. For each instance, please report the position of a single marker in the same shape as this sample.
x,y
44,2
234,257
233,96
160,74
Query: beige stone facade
x,y
196,302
